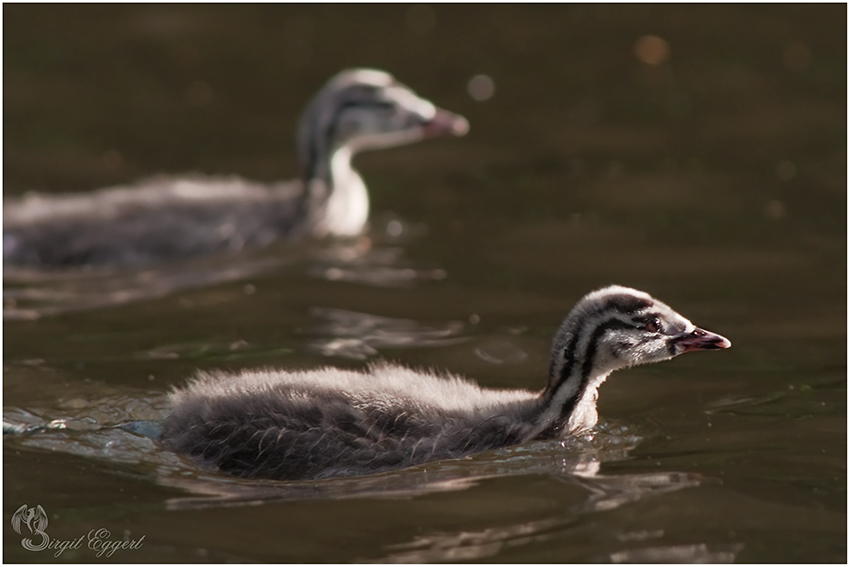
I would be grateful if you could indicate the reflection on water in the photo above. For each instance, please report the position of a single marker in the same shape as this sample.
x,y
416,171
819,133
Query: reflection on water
x,y
31,294
697,553
377,260
605,493
477,545
561,459
792,400
362,262
337,333
358,336
468,545
608,493
500,351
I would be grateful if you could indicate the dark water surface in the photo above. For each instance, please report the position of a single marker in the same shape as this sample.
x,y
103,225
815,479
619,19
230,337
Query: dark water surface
x,y
708,169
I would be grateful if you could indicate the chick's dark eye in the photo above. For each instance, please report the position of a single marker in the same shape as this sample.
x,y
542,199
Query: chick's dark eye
x,y
653,325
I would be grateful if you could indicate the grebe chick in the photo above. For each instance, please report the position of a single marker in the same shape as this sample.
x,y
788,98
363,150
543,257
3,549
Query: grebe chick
x,y
170,217
331,422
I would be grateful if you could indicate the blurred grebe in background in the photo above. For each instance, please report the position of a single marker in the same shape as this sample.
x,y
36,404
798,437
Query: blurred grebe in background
x,y
164,217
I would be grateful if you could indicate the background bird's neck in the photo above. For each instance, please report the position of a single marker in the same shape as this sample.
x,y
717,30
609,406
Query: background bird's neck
x,y
336,196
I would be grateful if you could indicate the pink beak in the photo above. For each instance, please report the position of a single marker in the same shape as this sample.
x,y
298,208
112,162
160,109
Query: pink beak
x,y
700,339
445,123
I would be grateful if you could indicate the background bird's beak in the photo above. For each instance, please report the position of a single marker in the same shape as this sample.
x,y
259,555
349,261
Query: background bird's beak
x,y
445,123
700,339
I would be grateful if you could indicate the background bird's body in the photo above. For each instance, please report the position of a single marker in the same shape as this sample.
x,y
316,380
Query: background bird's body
x,y
171,218
160,217
332,422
